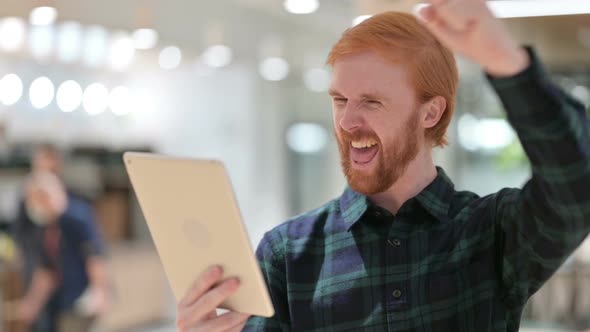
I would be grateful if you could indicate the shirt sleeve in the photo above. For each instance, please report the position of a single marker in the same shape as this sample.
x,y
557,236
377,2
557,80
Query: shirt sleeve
x,y
271,258
538,226
82,223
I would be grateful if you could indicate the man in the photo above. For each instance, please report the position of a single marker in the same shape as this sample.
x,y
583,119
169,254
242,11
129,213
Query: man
x,y
28,234
401,250
72,271
46,158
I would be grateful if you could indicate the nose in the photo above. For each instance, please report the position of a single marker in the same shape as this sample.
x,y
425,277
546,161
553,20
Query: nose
x,y
350,119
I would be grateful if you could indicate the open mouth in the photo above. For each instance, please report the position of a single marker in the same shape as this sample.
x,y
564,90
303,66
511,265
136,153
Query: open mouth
x,y
364,151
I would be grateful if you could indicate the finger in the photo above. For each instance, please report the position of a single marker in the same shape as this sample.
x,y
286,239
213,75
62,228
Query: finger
x,y
185,323
203,283
239,327
211,315
437,26
456,14
223,322
208,302
426,13
218,295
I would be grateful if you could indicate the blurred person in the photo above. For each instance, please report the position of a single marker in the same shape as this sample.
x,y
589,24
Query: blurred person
x,y
401,249
47,158
71,273
28,233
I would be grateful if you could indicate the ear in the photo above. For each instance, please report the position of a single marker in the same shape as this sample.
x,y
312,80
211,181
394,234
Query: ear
x,y
432,111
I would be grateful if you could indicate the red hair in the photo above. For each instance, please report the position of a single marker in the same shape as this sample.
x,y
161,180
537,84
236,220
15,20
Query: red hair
x,y
400,38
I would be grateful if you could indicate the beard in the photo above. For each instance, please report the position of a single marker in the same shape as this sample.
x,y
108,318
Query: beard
x,y
392,159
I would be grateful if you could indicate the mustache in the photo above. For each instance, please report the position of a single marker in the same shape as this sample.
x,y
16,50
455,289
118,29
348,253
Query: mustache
x,y
347,137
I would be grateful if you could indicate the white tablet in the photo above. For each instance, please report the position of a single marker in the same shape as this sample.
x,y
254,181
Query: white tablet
x,y
195,222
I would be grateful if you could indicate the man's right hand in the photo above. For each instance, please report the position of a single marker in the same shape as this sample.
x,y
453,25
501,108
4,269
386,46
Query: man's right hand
x,y
26,311
197,310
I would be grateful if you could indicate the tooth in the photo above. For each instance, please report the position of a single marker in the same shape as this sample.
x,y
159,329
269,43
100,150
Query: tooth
x,y
363,144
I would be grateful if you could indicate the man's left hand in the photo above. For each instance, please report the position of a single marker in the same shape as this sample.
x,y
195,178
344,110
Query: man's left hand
x,y
470,28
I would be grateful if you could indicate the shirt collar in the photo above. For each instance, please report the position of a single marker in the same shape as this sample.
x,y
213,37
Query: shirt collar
x,y
435,199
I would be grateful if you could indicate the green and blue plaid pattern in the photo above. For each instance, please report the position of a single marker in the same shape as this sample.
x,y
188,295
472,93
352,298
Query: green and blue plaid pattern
x,y
448,260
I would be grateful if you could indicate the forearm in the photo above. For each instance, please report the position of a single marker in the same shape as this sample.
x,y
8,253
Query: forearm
x,y
42,286
540,225
96,270
553,130
509,62
543,223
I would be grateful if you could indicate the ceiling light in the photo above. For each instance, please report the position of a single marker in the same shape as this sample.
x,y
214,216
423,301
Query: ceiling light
x,y
217,56
12,33
121,51
170,57
274,69
69,96
95,98
44,15
530,8
307,137
41,92
41,40
95,46
144,39
69,39
301,6
11,89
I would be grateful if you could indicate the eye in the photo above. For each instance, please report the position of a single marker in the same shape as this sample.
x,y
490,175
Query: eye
x,y
372,103
339,100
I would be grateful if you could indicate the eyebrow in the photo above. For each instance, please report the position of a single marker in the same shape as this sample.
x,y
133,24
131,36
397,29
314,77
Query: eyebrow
x,y
334,93
370,96
364,96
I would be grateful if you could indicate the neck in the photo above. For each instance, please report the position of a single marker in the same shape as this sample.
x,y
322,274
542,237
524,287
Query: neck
x,y
418,175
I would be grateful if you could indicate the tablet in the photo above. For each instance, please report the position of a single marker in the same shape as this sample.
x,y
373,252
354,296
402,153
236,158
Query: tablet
x,y
193,218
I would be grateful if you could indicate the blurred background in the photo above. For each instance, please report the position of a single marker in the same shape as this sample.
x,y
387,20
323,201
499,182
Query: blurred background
x,y
242,81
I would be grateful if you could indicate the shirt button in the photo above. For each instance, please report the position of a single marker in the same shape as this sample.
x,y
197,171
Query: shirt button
x,y
394,242
397,294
